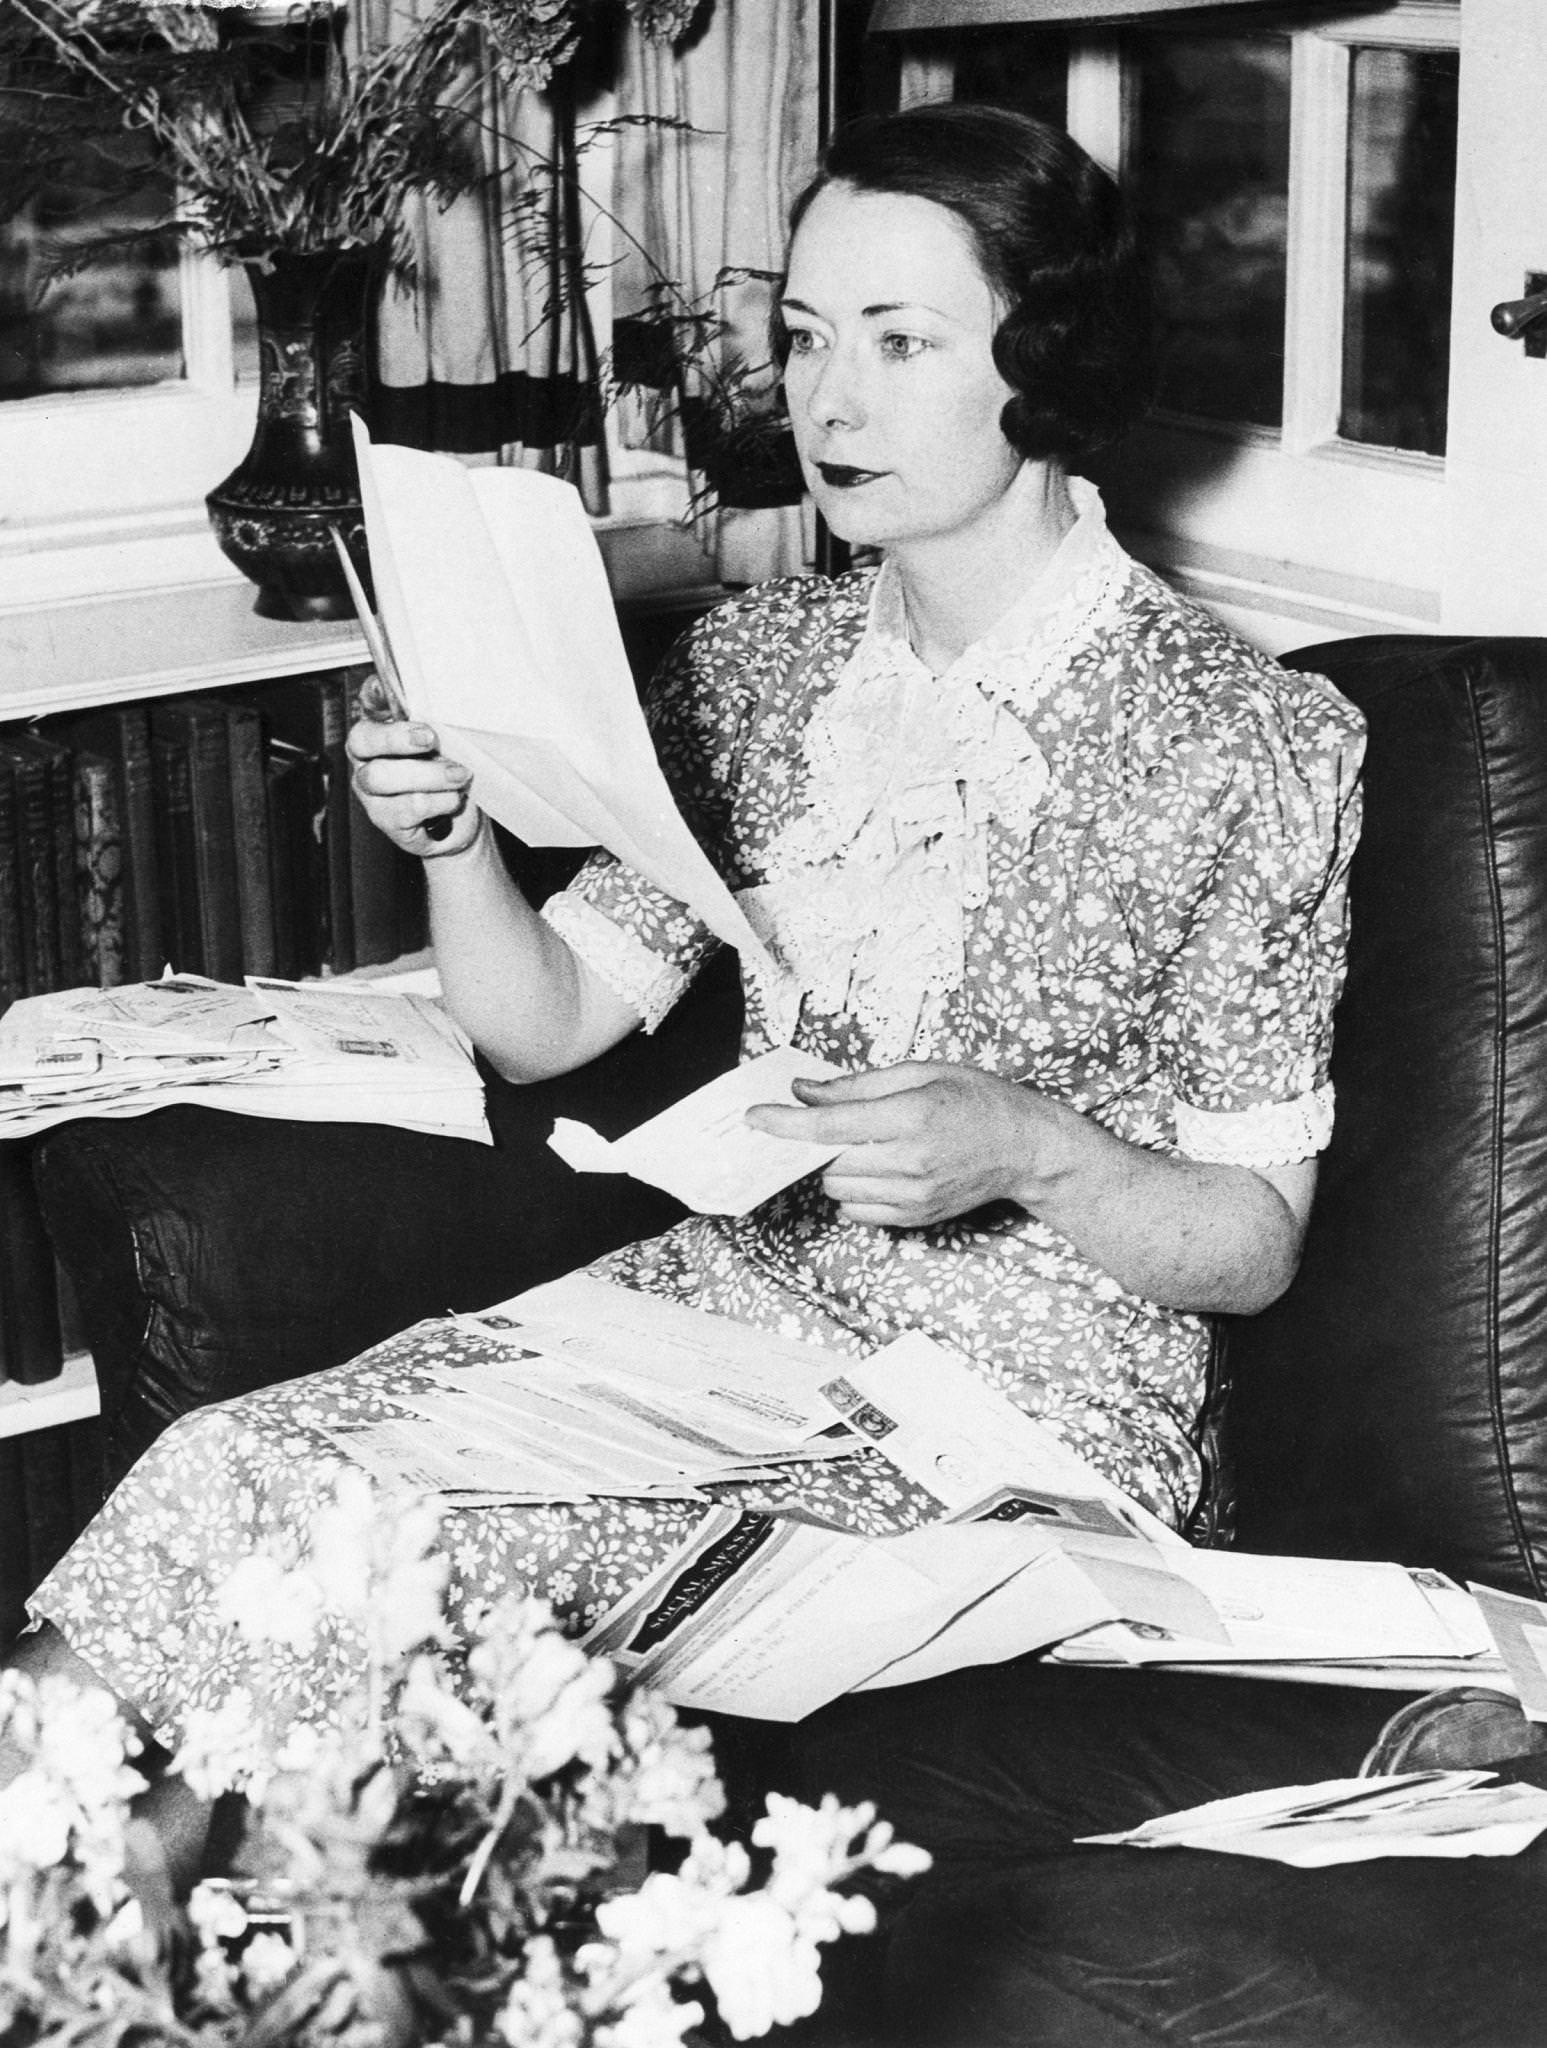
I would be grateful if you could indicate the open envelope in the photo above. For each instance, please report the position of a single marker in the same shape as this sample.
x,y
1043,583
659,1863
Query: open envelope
x,y
1354,1820
499,616
772,1618
702,1149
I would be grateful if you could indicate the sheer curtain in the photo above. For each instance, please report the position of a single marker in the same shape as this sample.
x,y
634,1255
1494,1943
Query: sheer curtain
x,y
486,352
711,197
491,354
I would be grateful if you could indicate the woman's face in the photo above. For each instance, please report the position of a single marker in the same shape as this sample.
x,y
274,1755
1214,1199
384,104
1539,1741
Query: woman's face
x,y
891,383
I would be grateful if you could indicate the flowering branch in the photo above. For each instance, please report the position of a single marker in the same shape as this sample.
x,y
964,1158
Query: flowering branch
x,y
458,1840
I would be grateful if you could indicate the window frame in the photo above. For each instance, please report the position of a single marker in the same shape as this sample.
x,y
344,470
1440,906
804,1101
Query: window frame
x,y
1296,526
105,489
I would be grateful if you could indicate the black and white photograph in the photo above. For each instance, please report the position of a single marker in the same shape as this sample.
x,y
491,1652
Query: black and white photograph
x,y
773,1023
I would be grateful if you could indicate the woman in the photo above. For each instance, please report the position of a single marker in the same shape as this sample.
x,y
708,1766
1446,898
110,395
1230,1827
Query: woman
x,y
1055,863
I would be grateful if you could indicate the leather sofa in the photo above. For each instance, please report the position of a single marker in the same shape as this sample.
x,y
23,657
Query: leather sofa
x,y
1393,1404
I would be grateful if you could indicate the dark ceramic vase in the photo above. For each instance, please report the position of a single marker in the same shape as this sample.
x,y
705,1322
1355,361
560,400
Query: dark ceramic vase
x,y
272,514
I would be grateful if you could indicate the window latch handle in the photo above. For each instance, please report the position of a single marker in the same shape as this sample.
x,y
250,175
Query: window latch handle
x,y
1514,316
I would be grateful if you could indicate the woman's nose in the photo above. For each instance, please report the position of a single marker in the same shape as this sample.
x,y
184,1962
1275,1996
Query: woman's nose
x,y
834,398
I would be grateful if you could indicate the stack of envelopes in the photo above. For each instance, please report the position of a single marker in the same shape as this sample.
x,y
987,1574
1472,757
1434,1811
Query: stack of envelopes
x,y
326,1054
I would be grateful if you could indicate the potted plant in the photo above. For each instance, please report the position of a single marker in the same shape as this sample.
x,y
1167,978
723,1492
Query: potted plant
x,y
295,152
725,397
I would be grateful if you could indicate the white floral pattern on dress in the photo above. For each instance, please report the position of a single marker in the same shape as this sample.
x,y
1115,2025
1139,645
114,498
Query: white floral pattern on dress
x,y
1150,924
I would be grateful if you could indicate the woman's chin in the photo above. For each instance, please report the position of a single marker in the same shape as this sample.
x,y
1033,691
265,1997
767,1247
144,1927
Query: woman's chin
x,y
847,521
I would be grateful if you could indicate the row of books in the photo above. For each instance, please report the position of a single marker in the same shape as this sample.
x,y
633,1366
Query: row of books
x,y
39,1321
214,833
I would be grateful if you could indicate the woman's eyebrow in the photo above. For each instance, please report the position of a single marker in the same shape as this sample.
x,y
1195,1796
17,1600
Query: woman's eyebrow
x,y
877,312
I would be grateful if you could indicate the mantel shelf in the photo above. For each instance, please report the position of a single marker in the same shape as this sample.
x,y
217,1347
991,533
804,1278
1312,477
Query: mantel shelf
x,y
150,643
70,1397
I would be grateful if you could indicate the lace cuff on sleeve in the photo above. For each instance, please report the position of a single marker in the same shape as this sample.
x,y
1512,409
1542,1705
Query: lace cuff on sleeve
x,y
645,981
1267,1134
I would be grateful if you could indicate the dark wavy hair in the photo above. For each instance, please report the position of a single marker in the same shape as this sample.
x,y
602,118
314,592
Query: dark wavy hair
x,y
1056,242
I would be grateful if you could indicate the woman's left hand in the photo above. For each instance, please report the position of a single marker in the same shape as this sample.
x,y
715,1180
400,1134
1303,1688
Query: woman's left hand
x,y
923,1142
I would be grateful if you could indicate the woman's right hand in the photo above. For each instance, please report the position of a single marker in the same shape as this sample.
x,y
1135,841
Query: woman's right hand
x,y
409,790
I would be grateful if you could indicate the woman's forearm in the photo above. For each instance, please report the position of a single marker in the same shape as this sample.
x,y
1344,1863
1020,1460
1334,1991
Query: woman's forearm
x,y
527,1003
928,1141
1223,1239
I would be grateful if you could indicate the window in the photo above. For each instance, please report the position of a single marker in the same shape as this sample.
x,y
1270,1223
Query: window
x,y
116,322
1401,231
1296,172
1305,174
1208,154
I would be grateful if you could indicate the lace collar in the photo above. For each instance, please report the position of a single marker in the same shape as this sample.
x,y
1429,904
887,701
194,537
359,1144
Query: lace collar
x,y
1020,657
868,888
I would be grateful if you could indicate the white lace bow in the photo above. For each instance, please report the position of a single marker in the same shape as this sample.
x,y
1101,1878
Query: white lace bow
x,y
868,889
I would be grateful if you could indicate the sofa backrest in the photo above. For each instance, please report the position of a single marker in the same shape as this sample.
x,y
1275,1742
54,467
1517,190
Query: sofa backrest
x,y
1393,1404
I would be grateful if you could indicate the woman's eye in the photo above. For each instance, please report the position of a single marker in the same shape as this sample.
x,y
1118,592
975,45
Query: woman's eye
x,y
903,347
802,341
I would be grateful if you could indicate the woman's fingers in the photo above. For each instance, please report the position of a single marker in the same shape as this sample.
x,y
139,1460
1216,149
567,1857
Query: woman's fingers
x,y
374,699
857,1117
915,1144
372,739
869,1086
901,1204
390,775
408,788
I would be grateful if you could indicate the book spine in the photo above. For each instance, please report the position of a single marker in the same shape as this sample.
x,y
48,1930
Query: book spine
x,y
333,730
295,809
29,1294
250,819
146,929
311,712
59,770
214,842
13,959
176,870
99,872
36,882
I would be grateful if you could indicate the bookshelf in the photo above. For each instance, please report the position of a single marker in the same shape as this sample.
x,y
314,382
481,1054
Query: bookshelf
x,y
85,653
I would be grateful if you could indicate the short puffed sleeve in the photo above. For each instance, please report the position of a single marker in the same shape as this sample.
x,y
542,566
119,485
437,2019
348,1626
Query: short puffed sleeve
x,y
703,710
1242,832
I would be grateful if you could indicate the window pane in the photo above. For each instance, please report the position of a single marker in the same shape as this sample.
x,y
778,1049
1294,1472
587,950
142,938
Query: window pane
x,y
1026,69
116,322
1401,221
1210,171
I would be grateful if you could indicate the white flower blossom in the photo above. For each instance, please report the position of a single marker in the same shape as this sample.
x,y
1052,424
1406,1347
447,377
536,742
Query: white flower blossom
x,y
667,1779
216,1912
763,1972
270,1605
267,1960
225,1748
549,1699
376,1564
72,1800
35,1822
652,2018
537,2012
437,1726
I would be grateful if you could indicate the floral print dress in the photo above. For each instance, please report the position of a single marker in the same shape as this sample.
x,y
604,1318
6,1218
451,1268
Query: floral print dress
x,y
1104,854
